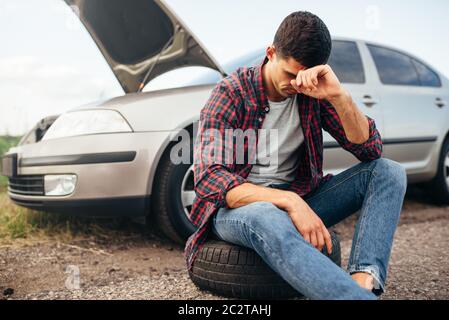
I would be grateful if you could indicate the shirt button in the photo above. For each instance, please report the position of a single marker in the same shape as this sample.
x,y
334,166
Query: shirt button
x,y
260,119
267,109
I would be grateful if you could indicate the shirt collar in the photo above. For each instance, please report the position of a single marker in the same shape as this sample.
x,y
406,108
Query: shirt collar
x,y
263,100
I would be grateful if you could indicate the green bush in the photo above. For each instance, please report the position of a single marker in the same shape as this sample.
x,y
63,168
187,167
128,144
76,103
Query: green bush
x,y
6,142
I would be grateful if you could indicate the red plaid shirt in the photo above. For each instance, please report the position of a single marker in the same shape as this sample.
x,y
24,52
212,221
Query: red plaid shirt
x,y
238,102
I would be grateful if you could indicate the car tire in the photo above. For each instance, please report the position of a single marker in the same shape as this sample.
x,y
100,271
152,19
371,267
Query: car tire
x,y
439,186
239,272
167,210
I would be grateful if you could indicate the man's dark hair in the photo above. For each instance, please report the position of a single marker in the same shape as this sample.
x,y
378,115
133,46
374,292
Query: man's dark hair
x,y
304,37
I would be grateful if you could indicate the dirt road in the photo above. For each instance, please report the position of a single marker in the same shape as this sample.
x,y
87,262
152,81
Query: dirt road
x,y
143,265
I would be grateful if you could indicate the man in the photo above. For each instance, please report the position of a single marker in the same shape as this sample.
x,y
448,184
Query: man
x,y
282,208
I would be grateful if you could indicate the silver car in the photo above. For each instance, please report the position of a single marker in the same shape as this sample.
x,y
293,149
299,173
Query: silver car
x,y
112,158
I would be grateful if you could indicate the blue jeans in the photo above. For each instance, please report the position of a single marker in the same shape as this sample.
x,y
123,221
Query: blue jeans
x,y
376,189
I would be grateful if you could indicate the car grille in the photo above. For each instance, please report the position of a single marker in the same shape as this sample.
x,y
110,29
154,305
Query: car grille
x,y
27,185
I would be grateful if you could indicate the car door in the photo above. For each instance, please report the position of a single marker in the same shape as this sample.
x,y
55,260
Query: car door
x,y
413,107
355,73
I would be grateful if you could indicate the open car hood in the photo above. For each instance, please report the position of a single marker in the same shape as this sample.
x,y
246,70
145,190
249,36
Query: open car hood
x,y
141,39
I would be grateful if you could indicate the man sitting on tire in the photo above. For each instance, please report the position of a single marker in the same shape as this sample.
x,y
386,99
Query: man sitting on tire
x,y
266,191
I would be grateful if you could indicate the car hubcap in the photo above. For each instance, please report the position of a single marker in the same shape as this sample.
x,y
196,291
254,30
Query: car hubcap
x,y
446,169
187,191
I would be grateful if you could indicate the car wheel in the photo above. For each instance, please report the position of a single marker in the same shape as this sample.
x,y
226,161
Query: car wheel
x,y
440,184
172,199
239,272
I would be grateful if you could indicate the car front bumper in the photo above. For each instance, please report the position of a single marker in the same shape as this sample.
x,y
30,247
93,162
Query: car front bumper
x,y
114,173
98,208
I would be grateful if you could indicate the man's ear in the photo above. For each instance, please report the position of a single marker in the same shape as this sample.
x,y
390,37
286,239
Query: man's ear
x,y
270,52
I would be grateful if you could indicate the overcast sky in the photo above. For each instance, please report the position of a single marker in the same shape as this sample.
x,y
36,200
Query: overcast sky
x,y
49,63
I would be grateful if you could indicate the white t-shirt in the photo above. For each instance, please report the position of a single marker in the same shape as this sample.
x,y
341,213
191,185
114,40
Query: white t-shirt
x,y
280,137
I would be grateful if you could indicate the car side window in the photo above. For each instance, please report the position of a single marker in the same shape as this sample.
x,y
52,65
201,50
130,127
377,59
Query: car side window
x,y
394,67
427,76
346,62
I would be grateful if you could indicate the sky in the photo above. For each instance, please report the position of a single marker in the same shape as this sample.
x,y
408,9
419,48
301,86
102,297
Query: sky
x,y
49,63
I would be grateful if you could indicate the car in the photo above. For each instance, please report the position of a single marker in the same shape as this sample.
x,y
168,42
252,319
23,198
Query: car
x,y
112,157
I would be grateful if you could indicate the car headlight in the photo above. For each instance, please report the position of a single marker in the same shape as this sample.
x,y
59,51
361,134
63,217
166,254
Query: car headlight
x,y
59,184
84,122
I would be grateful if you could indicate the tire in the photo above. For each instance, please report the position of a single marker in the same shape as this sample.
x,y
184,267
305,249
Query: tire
x,y
439,186
167,210
238,272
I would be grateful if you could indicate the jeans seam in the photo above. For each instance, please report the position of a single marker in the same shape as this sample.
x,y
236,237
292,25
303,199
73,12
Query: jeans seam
x,y
356,252
336,185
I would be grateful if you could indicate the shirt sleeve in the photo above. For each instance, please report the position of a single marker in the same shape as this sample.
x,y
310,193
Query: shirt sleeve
x,y
214,159
367,151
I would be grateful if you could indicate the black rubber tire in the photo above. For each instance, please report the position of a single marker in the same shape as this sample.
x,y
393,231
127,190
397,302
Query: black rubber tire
x,y
167,212
238,272
438,187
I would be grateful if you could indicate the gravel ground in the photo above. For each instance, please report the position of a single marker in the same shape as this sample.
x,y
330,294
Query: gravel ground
x,y
146,266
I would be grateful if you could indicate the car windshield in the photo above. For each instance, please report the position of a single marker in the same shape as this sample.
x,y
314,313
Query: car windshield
x,y
191,76
210,76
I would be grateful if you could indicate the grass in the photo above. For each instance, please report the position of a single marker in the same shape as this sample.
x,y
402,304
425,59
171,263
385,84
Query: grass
x,y
3,183
22,225
19,225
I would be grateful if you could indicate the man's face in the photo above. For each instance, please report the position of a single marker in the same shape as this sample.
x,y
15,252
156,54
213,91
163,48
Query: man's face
x,y
282,71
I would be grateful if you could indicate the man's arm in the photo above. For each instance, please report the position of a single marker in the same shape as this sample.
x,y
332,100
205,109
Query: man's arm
x,y
368,150
306,221
213,176
248,193
354,122
340,116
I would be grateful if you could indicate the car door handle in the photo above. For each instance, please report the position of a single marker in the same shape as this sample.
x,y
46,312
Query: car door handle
x,y
368,101
440,103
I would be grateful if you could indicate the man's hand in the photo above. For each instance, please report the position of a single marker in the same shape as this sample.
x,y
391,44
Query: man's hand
x,y
319,82
308,223
304,219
